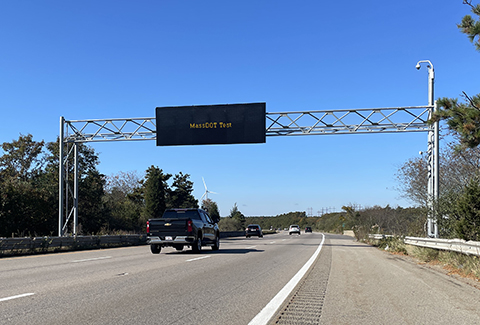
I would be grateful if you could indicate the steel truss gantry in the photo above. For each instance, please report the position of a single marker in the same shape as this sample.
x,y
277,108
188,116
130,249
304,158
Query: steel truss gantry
x,y
349,121
322,122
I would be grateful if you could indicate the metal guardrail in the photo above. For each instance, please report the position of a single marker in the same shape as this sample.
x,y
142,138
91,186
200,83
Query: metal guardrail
x,y
378,236
225,234
28,245
14,246
455,245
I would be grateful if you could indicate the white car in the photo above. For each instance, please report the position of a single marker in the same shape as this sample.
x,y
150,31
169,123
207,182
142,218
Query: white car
x,y
294,229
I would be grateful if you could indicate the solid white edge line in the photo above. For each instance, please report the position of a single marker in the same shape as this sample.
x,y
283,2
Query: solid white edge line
x,y
17,296
264,316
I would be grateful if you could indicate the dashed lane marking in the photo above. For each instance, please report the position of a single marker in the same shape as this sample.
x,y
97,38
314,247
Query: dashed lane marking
x,y
92,259
17,296
199,258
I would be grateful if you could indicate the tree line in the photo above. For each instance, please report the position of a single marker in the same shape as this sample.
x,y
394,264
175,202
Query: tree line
x,y
124,201
121,202
396,221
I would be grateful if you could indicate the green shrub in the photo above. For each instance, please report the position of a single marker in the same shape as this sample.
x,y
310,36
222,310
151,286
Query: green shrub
x,y
230,224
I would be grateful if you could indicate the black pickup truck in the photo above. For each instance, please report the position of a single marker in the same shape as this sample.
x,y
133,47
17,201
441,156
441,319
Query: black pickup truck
x,y
183,227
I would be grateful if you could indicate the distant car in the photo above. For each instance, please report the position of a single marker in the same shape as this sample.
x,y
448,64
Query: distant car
x,y
294,229
308,229
253,230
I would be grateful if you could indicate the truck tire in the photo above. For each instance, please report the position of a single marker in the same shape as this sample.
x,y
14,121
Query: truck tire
x,y
155,249
216,246
197,245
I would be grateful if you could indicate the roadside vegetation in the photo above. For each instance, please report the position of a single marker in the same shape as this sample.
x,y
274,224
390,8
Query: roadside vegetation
x,y
467,266
109,204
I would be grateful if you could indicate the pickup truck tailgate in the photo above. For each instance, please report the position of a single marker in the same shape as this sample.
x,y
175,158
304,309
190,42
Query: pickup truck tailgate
x,y
171,227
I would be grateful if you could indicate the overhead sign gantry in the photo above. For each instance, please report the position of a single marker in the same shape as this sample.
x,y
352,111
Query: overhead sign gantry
x,y
241,123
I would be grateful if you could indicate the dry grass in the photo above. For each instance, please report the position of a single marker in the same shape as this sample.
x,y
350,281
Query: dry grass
x,y
462,265
466,266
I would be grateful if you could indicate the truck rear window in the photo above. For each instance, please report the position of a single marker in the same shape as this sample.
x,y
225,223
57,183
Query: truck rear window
x,y
176,214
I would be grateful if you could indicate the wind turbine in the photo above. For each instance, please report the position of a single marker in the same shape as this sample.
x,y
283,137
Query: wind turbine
x,y
206,191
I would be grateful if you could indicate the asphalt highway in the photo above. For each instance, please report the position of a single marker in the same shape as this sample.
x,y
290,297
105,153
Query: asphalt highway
x,y
349,283
131,285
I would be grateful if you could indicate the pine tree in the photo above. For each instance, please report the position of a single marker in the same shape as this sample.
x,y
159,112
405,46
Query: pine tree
x,y
181,194
156,189
464,118
470,26
237,215
468,212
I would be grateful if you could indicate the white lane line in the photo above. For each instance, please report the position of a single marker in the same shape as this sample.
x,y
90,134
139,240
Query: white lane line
x,y
92,259
199,258
17,296
263,317
272,242
250,247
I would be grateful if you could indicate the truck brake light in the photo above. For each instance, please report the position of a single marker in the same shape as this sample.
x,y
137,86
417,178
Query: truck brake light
x,y
189,226
148,227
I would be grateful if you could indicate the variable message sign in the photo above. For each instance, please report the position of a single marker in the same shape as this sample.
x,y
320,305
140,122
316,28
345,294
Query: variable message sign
x,y
211,124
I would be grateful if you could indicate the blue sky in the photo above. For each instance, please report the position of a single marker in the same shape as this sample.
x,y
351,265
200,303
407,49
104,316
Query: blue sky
x,y
119,59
